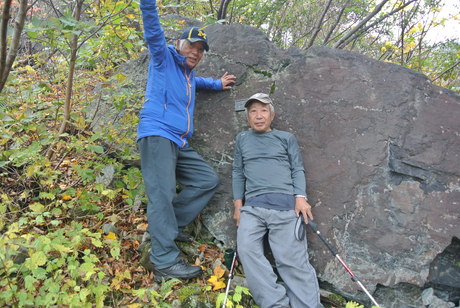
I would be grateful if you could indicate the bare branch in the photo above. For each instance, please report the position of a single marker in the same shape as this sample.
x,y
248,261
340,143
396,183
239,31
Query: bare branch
x,y
365,29
446,71
377,9
319,24
326,39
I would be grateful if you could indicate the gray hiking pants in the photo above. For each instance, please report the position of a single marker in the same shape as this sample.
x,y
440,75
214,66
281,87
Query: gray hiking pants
x,y
300,289
163,163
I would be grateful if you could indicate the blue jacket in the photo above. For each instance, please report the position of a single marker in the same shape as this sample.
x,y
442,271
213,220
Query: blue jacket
x,y
171,85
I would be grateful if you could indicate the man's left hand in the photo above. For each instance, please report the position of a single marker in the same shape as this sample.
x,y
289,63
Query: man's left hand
x,y
227,81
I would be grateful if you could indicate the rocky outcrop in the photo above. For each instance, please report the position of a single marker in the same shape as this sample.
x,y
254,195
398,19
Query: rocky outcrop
x,y
381,147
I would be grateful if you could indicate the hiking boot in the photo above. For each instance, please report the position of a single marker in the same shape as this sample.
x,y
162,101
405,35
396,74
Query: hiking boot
x,y
180,270
184,237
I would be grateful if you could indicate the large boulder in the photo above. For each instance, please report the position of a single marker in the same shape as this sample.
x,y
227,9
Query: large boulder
x,y
380,144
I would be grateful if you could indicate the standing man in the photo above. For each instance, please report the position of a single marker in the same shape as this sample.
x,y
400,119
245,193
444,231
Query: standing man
x,y
166,124
269,180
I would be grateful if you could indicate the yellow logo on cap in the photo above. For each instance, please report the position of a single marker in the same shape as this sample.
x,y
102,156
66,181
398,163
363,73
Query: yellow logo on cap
x,y
201,33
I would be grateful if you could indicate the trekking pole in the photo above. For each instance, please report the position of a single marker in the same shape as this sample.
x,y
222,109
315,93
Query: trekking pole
x,y
314,228
230,277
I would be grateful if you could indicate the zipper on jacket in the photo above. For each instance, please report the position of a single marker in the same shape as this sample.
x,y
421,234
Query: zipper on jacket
x,y
188,92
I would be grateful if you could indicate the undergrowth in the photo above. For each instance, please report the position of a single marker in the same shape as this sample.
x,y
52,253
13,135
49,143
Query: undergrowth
x,y
54,249
69,231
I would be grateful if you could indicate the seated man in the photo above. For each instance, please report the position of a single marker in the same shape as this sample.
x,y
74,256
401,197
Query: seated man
x,y
269,180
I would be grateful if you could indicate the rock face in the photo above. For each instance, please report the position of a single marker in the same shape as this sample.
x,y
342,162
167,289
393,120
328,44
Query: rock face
x,y
381,147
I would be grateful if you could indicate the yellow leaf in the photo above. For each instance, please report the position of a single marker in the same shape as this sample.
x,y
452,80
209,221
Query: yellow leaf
x,y
29,69
219,285
213,279
116,284
120,77
126,274
217,282
66,197
111,236
409,46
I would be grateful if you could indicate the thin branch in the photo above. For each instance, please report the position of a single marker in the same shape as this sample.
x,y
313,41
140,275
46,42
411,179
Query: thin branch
x,y
446,71
377,9
326,39
319,24
365,29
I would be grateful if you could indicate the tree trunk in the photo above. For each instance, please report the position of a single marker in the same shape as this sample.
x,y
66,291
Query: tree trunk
x,y
7,57
69,84
222,13
73,59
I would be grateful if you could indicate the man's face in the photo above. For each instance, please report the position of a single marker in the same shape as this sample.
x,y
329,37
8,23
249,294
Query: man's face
x,y
260,117
193,52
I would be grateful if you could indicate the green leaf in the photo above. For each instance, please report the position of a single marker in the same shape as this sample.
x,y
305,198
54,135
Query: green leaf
x,y
35,260
237,297
353,305
25,299
88,269
61,248
96,148
39,220
96,242
84,294
32,34
37,207
115,252
29,283
40,273
47,195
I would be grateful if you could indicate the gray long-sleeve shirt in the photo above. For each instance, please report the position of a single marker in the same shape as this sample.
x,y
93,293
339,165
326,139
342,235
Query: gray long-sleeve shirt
x,y
267,162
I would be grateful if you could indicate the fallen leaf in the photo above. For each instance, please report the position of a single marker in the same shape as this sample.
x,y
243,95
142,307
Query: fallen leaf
x,y
111,236
219,271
